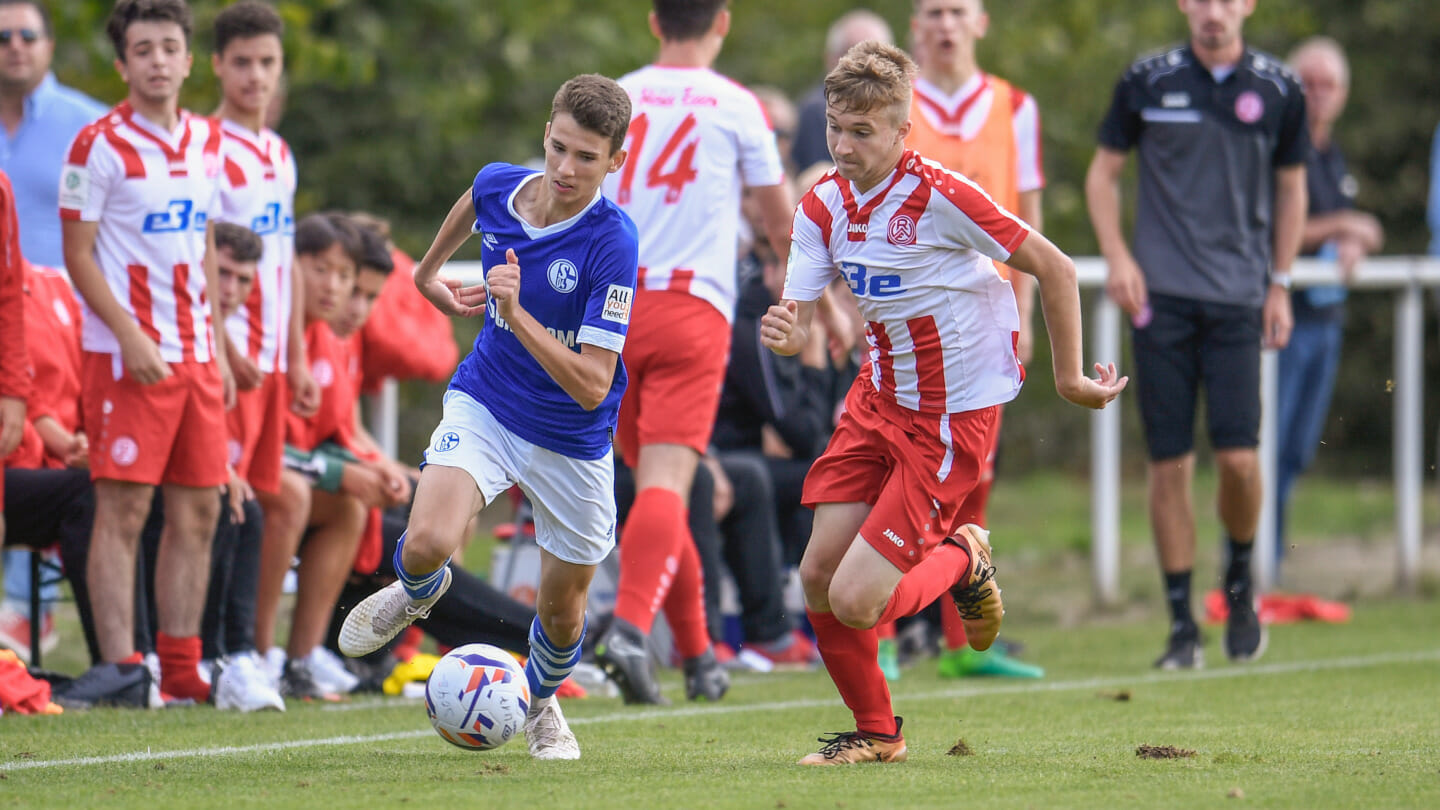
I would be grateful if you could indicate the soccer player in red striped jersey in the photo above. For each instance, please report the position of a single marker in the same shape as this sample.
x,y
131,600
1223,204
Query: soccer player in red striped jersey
x,y
917,244
136,194
267,331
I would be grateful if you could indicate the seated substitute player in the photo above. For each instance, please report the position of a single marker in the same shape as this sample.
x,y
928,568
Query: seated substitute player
x,y
535,403
915,241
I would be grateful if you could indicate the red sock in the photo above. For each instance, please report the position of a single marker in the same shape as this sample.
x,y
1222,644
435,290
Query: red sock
x,y
685,605
950,624
650,548
135,658
179,662
925,582
849,656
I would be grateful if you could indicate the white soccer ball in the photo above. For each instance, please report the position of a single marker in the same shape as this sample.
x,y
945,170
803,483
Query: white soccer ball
x,y
477,697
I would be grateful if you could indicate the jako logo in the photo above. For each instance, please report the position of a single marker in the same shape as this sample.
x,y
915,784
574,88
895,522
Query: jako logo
x,y
859,227
895,538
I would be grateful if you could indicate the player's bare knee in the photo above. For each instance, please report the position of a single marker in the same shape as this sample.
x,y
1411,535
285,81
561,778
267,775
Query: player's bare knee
x,y
852,608
1239,466
426,545
815,580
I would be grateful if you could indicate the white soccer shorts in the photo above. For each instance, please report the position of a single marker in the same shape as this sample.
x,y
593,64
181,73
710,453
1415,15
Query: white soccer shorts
x,y
573,499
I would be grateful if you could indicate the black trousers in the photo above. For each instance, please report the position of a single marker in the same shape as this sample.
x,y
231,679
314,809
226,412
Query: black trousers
x,y
752,548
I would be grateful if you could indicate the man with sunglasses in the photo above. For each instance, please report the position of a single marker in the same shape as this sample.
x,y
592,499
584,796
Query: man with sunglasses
x,y
39,117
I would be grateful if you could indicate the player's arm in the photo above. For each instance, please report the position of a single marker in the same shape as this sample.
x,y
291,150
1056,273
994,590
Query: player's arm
x,y
1060,301
1291,202
809,268
140,353
1023,283
448,295
1125,284
586,376
304,391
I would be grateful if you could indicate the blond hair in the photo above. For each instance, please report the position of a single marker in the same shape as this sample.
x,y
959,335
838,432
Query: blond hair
x,y
872,76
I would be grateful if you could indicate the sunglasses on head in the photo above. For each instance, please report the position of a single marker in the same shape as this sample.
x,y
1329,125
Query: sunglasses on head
x,y
27,35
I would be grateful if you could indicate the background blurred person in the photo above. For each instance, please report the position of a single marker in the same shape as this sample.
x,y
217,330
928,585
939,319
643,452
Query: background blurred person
x,y
1207,284
39,117
849,30
695,139
156,384
1334,230
988,130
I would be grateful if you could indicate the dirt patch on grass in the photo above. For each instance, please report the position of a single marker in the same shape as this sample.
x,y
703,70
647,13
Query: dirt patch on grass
x,y
1163,752
959,749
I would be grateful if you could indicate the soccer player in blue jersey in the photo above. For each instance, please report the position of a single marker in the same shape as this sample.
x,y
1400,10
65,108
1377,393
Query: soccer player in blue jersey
x,y
535,403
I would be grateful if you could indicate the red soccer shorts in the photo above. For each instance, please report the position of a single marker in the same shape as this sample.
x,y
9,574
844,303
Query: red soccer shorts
x,y
914,469
675,353
257,433
172,432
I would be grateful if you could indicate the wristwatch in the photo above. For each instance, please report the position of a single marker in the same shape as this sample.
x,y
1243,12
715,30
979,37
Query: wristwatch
x,y
1282,279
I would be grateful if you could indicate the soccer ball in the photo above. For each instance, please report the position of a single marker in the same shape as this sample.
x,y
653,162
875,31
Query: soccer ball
x,y
477,697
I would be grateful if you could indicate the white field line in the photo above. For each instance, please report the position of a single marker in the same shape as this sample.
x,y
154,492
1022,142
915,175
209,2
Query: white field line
x,y
1356,662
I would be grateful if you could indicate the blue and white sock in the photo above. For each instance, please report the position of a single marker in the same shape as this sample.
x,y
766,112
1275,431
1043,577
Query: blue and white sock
x,y
419,587
549,664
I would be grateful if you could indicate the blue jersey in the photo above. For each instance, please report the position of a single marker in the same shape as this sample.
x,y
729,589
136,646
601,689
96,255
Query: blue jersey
x,y
577,278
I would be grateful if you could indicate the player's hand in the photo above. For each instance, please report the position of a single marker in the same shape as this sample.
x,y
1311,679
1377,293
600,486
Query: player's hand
x,y
453,298
78,456
12,424
142,358
777,329
304,391
366,484
397,483
504,283
1126,287
1091,392
237,492
248,375
1276,319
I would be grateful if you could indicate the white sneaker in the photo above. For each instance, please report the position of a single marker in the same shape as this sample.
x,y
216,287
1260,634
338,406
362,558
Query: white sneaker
x,y
240,685
547,733
330,673
206,670
372,623
271,664
152,663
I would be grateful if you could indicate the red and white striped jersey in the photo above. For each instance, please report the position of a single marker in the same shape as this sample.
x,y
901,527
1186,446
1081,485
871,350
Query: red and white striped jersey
x,y
916,250
259,192
696,138
151,192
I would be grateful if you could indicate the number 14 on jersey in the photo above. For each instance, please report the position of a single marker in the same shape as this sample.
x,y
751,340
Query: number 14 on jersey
x,y
673,180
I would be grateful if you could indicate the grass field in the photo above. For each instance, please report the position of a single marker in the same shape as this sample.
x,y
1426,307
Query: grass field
x,y
1333,716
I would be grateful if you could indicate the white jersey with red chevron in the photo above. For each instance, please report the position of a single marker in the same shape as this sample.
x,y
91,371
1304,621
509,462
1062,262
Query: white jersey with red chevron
x,y
916,250
151,192
696,138
963,113
259,192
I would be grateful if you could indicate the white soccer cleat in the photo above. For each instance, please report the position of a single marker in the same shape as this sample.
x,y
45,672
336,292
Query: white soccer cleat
x,y
547,733
372,623
330,673
242,686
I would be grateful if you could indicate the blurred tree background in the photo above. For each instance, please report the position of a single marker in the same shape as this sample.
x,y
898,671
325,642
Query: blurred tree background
x,y
394,104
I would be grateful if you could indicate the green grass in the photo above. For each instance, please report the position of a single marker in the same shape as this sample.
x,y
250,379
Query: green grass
x,y
1334,716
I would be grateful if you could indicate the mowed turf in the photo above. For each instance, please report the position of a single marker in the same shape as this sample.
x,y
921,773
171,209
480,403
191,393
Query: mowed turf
x,y
1333,716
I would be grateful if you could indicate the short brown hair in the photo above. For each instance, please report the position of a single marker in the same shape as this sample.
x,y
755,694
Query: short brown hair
x,y
127,12
682,20
597,104
245,20
374,251
317,232
872,76
244,244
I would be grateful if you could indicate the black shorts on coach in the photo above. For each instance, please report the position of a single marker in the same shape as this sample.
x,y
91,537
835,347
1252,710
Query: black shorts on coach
x,y
1187,342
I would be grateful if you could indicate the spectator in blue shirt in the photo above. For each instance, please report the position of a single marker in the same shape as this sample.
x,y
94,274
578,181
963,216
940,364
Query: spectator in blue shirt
x,y
39,117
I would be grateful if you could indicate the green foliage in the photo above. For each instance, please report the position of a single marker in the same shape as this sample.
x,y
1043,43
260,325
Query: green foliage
x,y
394,104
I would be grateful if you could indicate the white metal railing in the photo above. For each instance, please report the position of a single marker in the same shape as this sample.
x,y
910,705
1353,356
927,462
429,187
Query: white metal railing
x,y
1407,276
